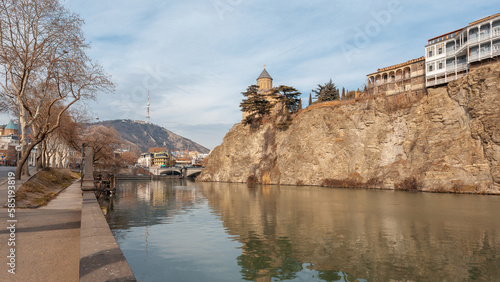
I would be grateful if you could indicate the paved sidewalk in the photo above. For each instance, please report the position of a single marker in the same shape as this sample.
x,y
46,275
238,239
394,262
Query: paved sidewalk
x,y
47,239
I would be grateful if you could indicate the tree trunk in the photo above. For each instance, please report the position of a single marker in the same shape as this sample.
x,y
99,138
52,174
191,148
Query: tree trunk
x,y
39,158
24,141
44,154
21,164
26,168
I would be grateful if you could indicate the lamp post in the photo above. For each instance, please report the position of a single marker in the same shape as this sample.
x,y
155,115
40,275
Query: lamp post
x,y
81,166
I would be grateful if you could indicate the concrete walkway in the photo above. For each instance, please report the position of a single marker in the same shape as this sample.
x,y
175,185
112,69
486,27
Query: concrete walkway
x,y
67,240
47,239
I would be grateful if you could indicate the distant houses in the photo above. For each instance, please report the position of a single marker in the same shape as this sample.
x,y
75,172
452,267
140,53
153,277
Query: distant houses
x,y
57,152
169,158
9,139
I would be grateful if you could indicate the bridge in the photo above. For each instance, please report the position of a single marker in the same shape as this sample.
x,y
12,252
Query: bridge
x,y
181,172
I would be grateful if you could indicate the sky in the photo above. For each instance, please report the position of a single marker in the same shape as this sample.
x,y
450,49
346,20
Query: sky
x,y
195,57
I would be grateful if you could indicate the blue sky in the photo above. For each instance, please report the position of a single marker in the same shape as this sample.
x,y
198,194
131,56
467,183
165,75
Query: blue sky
x,y
196,57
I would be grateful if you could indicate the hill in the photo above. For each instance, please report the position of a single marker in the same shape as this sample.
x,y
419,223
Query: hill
x,y
146,136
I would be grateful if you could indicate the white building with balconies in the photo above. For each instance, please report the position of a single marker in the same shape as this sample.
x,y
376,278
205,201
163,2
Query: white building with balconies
x,y
449,56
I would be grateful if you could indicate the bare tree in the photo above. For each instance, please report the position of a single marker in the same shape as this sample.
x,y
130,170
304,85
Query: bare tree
x,y
104,141
45,67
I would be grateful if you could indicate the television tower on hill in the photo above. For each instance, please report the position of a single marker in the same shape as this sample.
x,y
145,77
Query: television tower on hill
x,y
147,110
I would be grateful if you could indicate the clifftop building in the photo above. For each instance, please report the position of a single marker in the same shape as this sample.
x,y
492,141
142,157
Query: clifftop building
x,y
449,55
408,76
447,58
264,83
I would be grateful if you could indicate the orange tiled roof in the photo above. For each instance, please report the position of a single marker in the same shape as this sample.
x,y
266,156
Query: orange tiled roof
x,y
484,19
400,65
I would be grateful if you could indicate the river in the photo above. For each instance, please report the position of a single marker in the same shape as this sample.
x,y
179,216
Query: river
x,y
176,230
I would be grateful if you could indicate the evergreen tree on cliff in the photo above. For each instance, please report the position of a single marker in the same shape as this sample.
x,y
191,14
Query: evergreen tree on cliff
x,y
289,96
255,104
327,92
310,100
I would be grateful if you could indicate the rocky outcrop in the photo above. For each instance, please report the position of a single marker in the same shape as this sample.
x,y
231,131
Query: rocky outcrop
x,y
446,140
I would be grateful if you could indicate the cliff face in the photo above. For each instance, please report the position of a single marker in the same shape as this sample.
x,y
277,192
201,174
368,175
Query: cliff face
x,y
447,140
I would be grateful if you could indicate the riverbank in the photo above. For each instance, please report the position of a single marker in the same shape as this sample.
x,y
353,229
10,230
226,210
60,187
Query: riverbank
x,y
48,241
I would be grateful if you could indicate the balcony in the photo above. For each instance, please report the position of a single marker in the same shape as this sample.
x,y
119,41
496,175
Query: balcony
x,y
496,32
461,66
444,80
485,36
485,54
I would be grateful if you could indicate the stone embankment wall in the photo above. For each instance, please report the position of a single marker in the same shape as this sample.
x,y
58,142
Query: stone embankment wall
x,y
447,140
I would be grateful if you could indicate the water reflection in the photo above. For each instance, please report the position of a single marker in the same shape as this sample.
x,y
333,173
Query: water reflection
x,y
228,232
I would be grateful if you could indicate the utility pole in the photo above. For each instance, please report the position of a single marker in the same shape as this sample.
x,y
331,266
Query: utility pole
x,y
147,111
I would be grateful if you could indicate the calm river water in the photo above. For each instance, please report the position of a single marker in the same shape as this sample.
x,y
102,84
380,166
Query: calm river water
x,y
173,230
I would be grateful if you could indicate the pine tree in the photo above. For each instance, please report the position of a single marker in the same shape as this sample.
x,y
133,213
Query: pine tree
x,y
310,100
255,104
289,96
343,93
327,92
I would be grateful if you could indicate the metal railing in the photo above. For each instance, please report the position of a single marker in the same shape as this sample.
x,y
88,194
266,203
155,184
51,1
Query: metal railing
x,y
444,80
461,66
474,56
485,36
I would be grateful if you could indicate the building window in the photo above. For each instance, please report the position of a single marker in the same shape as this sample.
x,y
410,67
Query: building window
x,y
440,65
430,51
440,49
430,67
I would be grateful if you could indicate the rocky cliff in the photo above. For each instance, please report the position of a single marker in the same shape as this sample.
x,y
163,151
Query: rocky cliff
x,y
445,140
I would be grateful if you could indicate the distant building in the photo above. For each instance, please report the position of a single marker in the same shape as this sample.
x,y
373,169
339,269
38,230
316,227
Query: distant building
x,y
447,58
449,55
9,129
162,158
9,139
408,76
146,159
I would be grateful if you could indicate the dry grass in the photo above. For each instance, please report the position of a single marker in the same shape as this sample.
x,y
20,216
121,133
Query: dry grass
x,y
42,188
351,182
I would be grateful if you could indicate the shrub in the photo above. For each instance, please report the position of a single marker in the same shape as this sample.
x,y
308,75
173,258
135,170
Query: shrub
x,y
409,184
252,179
284,125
